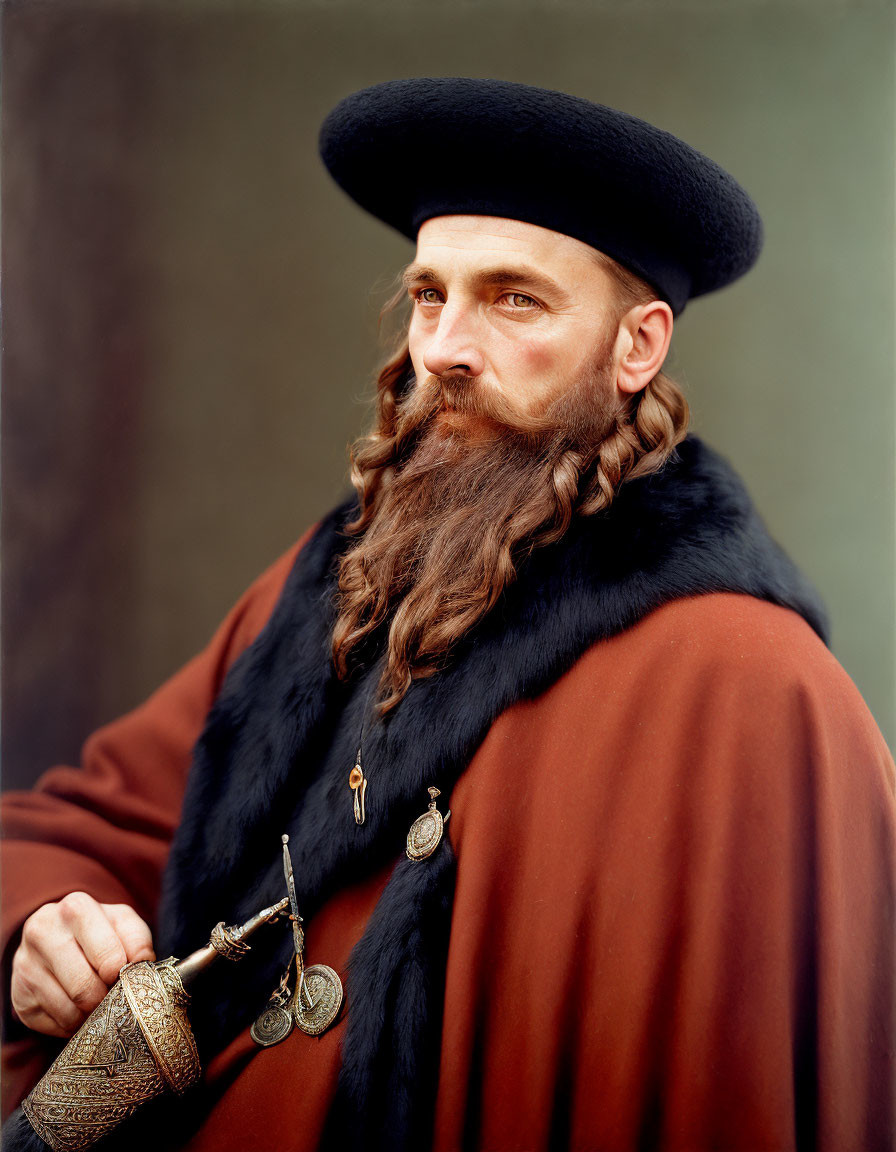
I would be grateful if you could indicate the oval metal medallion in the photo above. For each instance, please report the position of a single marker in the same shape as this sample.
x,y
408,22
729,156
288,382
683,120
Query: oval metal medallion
x,y
273,1025
324,989
425,834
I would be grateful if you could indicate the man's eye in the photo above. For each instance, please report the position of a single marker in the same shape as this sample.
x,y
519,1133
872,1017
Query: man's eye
x,y
429,296
520,301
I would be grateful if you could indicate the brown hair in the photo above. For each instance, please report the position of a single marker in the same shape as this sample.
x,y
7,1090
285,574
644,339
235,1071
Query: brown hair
x,y
445,520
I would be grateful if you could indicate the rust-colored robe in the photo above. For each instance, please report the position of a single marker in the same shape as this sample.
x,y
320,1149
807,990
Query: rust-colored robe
x,y
673,924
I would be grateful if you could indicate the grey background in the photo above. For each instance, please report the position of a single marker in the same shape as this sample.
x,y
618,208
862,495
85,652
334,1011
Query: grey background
x,y
190,305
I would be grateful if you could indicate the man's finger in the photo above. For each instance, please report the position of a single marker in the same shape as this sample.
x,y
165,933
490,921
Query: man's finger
x,y
49,940
77,976
40,1021
132,931
40,1001
98,940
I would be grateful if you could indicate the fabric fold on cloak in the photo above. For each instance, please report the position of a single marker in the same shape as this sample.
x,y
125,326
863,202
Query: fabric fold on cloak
x,y
281,738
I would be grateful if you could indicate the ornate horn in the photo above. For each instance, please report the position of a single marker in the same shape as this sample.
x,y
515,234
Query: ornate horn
x,y
135,1045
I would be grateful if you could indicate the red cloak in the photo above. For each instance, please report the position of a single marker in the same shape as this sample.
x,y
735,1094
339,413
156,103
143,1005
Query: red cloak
x,y
674,923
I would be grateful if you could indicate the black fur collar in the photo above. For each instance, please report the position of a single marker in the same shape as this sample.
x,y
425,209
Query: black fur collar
x,y
280,740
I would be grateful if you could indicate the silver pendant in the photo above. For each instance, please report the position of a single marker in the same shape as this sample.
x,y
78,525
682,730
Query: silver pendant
x,y
275,1022
318,1006
426,831
273,1025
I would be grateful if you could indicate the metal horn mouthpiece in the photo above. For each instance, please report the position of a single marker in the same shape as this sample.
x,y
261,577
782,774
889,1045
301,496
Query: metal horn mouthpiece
x,y
227,942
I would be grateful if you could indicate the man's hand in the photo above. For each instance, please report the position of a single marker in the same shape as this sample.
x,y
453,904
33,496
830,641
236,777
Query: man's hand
x,y
70,955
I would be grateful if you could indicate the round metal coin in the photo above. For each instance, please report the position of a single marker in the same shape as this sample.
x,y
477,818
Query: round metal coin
x,y
425,834
324,989
272,1026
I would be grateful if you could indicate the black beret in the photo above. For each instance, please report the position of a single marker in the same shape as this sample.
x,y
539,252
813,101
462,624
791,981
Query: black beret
x,y
409,150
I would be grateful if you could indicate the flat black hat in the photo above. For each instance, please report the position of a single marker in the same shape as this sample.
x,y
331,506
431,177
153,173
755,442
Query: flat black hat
x,y
409,150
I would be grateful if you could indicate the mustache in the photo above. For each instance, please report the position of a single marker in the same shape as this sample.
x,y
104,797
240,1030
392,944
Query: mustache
x,y
465,395
583,412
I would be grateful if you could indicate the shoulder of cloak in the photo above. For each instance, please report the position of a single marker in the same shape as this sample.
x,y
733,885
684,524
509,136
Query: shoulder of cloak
x,y
723,696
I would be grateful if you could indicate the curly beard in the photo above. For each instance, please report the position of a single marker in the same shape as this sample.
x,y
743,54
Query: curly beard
x,y
452,500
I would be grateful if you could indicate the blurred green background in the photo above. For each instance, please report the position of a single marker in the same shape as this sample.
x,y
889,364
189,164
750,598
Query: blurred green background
x,y
190,306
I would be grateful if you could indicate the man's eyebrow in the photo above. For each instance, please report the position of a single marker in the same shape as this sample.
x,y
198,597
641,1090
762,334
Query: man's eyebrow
x,y
418,274
521,278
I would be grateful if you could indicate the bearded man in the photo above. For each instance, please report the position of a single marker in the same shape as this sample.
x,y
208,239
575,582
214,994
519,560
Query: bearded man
x,y
661,914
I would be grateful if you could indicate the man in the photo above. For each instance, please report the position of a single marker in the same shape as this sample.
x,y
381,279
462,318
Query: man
x,y
661,913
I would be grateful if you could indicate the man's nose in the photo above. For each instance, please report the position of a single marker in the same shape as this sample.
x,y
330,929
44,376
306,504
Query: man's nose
x,y
456,345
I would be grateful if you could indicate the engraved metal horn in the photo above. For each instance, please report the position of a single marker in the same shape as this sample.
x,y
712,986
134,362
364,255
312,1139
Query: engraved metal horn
x,y
135,1045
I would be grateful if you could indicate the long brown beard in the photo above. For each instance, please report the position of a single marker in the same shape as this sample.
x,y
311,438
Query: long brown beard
x,y
456,489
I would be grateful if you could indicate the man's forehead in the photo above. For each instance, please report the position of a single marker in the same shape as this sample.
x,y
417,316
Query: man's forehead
x,y
469,230
495,249
490,243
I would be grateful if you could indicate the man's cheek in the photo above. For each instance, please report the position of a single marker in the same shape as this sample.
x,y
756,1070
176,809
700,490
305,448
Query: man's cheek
x,y
415,351
535,356
535,367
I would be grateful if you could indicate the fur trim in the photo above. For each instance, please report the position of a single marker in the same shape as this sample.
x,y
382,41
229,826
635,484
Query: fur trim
x,y
19,1136
390,1069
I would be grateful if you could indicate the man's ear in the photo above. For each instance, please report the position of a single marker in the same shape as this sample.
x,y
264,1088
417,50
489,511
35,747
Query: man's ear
x,y
642,345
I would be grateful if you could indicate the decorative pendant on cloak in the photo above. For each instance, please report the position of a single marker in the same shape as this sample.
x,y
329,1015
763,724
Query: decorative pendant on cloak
x,y
357,781
426,831
275,1023
314,1003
